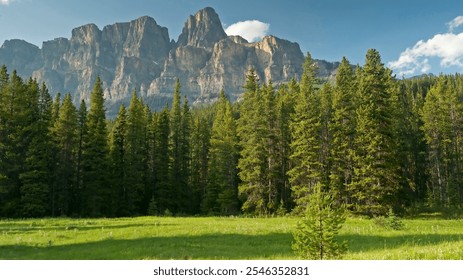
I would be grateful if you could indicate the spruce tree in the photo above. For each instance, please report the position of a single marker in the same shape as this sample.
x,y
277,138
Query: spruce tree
x,y
316,232
135,156
306,129
66,140
285,102
36,178
118,164
222,185
163,190
200,154
342,130
82,133
251,129
18,113
97,191
375,178
185,192
442,116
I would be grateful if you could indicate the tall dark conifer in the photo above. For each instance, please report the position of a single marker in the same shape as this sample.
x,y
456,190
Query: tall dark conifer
x,y
222,185
135,156
307,170
36,178
342,130
375,178
163,191
65,138
97,191
118,164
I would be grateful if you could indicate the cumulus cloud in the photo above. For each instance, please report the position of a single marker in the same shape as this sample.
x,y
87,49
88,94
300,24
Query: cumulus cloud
x,y
447,47
456,22
251,30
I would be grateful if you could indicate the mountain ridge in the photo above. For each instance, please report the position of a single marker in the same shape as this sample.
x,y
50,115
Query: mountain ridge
x,y
140,55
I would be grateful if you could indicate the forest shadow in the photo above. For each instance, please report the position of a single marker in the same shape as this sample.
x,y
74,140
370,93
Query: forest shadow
x,y
79,227
363,243
214,246
217,246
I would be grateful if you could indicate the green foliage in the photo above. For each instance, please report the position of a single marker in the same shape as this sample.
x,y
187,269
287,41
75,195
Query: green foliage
x,y
390,222
442,115
342,130
315,235
163,191
134,158
179,141
96,188
117,156
373,142
375,178
36,178
308,146
65,137
222,185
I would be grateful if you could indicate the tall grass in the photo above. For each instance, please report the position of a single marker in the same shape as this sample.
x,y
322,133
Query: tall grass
x,y
217,238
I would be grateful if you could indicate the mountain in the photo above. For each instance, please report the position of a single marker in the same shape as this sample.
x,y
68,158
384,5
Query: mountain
x,y
140,55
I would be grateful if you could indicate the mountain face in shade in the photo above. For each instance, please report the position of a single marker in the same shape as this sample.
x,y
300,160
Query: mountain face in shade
x,y
139,55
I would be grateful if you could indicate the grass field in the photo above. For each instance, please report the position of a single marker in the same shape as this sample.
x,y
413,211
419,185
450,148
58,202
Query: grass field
x,y
217,238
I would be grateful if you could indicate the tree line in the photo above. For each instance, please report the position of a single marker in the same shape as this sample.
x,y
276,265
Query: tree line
x,y
374,143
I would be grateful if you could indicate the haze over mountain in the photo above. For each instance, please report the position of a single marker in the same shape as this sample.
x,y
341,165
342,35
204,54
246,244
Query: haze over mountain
x,y
140,55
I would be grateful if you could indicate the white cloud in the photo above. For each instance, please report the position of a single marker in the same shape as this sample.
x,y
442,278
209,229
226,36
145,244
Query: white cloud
x,y
251,30
448,48
5,2
456,22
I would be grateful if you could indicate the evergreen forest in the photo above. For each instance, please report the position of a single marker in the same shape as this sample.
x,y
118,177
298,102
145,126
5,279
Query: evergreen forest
x,y
374,142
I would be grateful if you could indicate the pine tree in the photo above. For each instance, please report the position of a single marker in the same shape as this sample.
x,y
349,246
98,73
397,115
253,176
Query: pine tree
x,y
272,166
200,150
66,141
163,190
82,133
411,145
18,113
117,155
315,235
135,157
375,178
306,129
251,132
4,84
222,185
180,121
442,116
96,189
185,156
342,130
36,178
285,109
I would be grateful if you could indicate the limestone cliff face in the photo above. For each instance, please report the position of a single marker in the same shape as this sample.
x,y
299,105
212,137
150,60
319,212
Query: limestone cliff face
x,y
139,55
202,30
20,55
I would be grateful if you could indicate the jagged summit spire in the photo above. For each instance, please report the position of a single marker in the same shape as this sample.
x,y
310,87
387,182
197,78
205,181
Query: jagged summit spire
x,y
202,30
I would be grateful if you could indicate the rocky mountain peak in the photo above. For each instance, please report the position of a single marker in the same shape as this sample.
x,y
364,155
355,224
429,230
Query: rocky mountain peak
x,y
19,55
87,34
202,30
147,39
140,55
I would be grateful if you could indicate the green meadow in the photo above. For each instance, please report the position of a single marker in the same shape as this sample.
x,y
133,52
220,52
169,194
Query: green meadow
x,y
218,238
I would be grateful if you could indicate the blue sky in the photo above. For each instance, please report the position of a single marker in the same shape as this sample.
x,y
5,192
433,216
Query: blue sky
x,y
412,36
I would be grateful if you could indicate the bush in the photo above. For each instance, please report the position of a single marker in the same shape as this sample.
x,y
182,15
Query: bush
x,y
391,221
